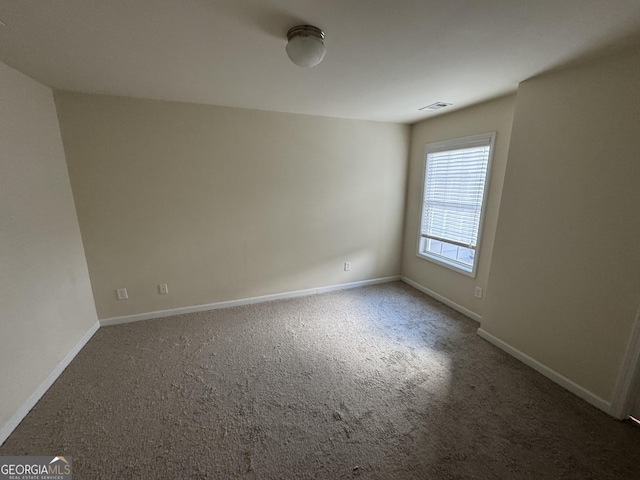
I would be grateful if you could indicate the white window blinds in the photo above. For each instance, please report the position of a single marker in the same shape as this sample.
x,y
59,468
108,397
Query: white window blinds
x,y
453,194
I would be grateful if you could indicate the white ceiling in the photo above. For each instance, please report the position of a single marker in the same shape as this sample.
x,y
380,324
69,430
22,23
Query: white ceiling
x,y
385,58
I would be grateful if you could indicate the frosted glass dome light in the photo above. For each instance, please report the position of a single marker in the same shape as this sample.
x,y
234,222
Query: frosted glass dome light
x,y
306,45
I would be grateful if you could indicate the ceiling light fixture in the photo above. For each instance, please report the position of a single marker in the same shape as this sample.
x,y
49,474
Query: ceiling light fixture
x,y
306,45
436,106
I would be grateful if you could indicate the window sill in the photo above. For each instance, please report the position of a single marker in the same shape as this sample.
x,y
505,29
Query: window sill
x,y
451,265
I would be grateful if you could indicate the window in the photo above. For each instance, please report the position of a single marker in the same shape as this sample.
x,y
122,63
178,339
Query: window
x,y
455,185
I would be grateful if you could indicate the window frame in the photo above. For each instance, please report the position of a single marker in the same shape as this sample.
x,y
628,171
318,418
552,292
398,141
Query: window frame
x,y
484,139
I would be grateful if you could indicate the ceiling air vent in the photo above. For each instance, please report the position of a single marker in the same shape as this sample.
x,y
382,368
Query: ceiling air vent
x,y
436,106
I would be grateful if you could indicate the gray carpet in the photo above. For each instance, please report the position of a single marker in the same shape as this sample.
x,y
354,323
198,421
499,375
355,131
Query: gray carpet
x,y
380,382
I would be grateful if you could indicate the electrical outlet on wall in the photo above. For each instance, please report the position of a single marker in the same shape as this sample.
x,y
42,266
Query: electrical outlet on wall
x,y
478,292
122,293
347,266
163,288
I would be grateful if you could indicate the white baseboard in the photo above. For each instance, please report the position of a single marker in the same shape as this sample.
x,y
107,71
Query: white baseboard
x,y
243,301
561,380
26,407
450,303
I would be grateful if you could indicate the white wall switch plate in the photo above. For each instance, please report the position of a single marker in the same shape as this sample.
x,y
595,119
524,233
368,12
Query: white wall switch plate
x,y
478,293
122,293
347,266
163,288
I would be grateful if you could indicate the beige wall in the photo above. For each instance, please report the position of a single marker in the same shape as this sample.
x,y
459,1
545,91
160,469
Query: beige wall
x,y
494,116
223,203
46,306
564,285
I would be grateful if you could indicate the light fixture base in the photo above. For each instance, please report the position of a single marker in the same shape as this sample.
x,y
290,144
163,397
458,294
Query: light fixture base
x,y
305,30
